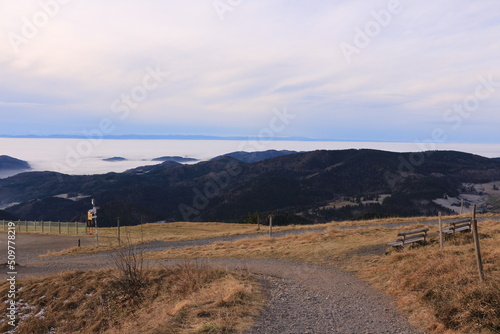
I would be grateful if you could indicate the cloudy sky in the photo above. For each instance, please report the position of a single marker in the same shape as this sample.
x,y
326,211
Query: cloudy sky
x,y
332,69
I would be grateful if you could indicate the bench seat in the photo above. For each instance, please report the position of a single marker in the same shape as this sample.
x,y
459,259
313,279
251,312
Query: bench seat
x,y
410,237
458,227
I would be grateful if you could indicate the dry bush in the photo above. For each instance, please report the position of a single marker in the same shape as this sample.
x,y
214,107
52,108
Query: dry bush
x,y
129,262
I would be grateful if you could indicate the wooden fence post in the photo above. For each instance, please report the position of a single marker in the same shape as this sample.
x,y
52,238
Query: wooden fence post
x,y
67,227
441,242
76,227
118,225
59,222
477,247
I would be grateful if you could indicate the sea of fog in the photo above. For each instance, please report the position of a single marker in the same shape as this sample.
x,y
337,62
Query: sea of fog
x,y
84,156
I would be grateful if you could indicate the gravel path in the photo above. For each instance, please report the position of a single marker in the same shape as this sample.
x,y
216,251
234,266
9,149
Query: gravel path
x,y
301,298
293,309
312,299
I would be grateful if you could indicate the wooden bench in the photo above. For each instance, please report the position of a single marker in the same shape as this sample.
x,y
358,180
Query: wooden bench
x,y
459,226
410,237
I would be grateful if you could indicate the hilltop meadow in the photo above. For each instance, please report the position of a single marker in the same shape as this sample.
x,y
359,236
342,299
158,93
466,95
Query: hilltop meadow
x,y
438,290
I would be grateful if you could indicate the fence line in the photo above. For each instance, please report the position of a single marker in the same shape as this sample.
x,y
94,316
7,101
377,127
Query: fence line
x,y
46,227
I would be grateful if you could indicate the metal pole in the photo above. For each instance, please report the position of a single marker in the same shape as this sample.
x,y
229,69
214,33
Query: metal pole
x,y
95,222
270,226
475,234
96,231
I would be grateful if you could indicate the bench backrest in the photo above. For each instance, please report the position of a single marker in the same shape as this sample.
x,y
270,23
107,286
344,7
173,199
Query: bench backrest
x,y
423,230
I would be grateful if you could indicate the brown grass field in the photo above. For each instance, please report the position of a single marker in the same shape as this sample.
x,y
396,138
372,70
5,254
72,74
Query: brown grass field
x,y
181,231
188,299
439,290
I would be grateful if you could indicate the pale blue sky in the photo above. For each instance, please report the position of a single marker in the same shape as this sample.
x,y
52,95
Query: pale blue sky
x,y
418,69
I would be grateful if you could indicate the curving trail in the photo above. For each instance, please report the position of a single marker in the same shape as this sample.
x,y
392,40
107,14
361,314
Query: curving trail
x,y
301,298
311,299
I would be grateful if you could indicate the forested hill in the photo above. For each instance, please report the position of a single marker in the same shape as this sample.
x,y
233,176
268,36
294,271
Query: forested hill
x,y
10,163
310,186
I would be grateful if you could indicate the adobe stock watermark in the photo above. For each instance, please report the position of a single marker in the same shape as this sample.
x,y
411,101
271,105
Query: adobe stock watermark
x,y
39,20
363,37
121,106
220,181
280,120
139,93
460,111
454,117
223,7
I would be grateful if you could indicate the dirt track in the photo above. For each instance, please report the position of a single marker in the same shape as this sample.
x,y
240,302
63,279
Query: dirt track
x,y
301,298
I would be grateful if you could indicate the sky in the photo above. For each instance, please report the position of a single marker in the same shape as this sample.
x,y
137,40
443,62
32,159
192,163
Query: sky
x,y
401,71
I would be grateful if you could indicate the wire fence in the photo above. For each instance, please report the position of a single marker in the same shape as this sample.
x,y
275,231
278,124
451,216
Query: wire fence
x,y
47,227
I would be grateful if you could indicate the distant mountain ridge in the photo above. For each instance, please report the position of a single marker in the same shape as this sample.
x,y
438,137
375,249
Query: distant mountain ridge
x,y
166,137
114,159
250,157
313,185
175,159
10,163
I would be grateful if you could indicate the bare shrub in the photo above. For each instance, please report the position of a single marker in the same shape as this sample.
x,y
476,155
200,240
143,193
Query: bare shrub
x,y
131,273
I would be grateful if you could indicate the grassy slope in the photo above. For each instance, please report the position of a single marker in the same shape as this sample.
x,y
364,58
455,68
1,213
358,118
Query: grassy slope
x,y
170,232
189,299
181,231
438,289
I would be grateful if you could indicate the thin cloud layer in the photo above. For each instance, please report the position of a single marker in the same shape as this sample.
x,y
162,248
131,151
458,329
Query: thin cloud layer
x,y
347,70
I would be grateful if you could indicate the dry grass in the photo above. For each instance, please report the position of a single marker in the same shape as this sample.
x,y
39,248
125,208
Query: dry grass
x,y
179,231
438,289
399,220
182,231
317,248
188,299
